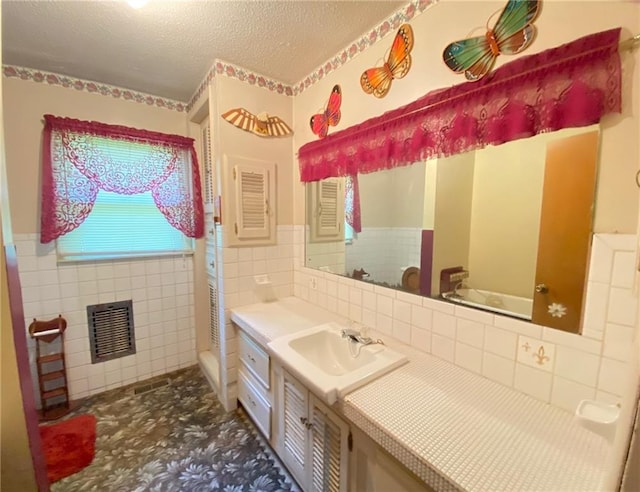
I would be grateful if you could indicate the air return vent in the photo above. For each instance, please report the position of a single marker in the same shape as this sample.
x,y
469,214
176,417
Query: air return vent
x,y
111,330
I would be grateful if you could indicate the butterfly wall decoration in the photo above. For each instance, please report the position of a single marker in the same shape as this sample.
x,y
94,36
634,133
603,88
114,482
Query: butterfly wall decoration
x,y
513,33
260,124
321,122
377,80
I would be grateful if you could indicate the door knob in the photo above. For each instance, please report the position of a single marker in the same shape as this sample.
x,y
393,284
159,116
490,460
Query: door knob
x,y
542,289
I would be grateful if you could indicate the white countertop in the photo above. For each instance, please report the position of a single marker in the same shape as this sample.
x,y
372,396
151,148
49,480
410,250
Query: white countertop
x,y
267,321
453,428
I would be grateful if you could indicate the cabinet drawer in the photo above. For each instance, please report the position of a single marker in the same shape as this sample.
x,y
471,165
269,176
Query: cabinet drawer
x,y
254,358
255,406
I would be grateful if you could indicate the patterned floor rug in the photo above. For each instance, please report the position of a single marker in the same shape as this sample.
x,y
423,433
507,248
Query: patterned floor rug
x,y
174,437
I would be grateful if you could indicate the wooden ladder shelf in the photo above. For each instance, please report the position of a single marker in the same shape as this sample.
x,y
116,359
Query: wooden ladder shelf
x,y
52,370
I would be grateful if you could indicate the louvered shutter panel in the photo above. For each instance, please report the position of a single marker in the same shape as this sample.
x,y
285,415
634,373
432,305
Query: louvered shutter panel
x,y
329,444
214,325
252,202
329,223
327,210
208,163
293,429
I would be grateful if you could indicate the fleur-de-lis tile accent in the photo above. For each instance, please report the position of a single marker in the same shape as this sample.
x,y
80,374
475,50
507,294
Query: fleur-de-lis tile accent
x,y
536,353
540,357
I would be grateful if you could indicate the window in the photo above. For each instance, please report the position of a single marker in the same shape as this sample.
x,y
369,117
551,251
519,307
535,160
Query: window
x,y
349,234
111,192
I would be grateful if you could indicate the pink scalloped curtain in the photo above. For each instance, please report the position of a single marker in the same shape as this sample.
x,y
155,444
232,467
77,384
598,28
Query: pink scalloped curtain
x,y
77,164
572,85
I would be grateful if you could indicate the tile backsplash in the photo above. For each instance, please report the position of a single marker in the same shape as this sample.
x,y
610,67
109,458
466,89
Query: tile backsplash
x,y
553,366
163,309
567,369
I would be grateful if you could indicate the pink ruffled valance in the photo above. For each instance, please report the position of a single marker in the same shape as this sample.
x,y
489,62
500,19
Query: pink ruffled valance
x,y
572,85
77,163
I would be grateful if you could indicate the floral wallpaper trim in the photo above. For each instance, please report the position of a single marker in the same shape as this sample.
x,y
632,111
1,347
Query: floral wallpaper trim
x,y
51,78
221,67
405,14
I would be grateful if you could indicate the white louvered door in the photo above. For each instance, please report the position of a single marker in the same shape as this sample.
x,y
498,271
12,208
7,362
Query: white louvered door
x,y
314,440
294,429
252,205
249,192
214,325
329,449
207,157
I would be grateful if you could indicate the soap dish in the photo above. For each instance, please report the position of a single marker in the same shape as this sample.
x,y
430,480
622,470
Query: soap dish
x,y
598,417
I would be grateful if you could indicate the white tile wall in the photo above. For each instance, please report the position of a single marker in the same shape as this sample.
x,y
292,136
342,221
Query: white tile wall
x,y
385,251
164,322
329,255
237,268
591,365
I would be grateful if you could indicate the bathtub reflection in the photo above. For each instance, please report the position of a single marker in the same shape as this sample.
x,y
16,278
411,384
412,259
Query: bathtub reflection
x,y
519,307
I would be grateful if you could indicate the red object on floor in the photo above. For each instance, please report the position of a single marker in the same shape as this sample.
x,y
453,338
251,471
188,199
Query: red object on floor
x,y
68,446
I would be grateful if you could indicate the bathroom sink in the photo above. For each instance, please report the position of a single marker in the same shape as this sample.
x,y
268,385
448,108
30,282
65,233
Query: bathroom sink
x,y
331,365
331,353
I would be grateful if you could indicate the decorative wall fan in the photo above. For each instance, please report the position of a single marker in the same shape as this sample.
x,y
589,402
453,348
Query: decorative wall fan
x,y
261,124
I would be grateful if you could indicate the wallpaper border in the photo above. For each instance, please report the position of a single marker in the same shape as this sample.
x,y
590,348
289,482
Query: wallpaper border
x,y
227,69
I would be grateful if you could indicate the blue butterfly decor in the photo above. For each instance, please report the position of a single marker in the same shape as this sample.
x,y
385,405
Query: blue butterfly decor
x,y
512,34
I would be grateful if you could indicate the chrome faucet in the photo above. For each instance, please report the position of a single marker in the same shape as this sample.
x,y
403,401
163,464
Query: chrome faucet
x,y
458,286
356,336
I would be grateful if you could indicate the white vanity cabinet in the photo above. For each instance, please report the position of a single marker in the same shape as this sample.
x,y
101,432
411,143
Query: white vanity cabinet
x,y
313,440
254,382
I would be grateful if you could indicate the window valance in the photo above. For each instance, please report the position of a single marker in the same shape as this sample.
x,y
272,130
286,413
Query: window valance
x,y
571,85
81,158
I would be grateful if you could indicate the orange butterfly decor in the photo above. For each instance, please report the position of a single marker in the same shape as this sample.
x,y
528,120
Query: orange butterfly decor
x,y
321,122
377,81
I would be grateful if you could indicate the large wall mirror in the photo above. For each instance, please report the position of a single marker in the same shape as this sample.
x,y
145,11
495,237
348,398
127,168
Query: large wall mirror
x,y
505,229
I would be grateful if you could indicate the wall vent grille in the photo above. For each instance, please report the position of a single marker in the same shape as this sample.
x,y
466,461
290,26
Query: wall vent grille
x,y
111,332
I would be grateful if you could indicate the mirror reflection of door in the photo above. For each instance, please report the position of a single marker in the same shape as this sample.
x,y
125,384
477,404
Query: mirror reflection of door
x,y
565,231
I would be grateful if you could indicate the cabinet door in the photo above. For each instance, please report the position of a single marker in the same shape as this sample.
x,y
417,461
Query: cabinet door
x,y
294,429
210,245
329,449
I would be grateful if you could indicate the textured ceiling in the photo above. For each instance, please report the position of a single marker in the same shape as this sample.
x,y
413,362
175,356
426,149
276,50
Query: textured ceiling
x,y
167,47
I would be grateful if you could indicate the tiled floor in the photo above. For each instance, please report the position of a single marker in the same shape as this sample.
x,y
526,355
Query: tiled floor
x,y
175,437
